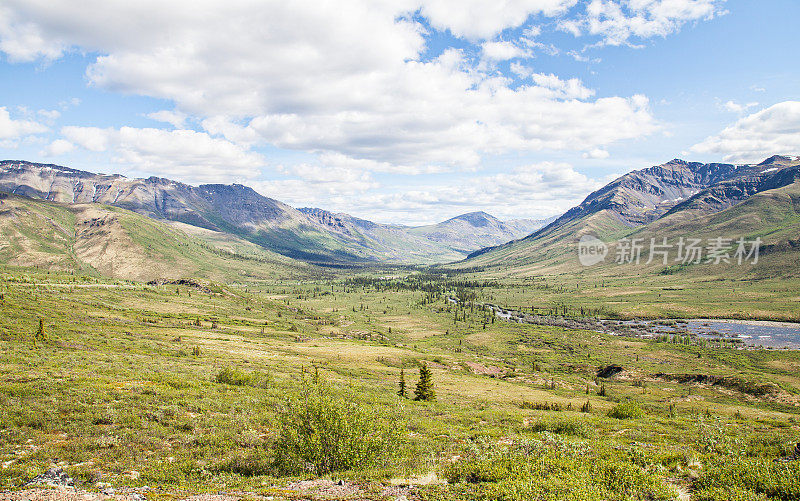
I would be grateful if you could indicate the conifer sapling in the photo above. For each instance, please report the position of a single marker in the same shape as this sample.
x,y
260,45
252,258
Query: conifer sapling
x,y
424,390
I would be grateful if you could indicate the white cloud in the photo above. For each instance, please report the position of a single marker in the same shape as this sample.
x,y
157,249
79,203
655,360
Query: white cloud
x,y
70,103
502,51
596,154
58,147
26,40
174,118
315,184
49,116
481,20
338,78
564,89
772,131
184,154
620,21
11,130
230,130
735,107
538,190
338,160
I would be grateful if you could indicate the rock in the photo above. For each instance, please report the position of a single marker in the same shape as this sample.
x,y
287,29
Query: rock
x,y
609,371
54,477
794,457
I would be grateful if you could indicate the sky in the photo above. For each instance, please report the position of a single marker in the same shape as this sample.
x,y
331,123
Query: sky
x,y
399,111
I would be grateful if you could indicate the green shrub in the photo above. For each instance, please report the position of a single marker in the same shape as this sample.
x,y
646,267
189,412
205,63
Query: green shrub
x,y
626,410
541,406
713,436
751,478
253,463
563,427
234,377
549,472
320,432
768,446
728,493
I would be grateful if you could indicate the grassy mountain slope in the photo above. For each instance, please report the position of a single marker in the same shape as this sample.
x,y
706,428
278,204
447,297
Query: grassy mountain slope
x,y
469,232
546,273
233,209
313,235
447,241
762,201
118,243
388,243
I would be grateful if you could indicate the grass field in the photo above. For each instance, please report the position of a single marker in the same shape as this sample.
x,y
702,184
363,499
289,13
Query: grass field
x,y
186,389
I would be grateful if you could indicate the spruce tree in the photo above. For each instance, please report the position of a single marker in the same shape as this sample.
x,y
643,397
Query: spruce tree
x,y
40,331
424,390
402,386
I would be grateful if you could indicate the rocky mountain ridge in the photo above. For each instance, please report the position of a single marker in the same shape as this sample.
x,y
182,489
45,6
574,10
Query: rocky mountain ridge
x,y
675,191
313,235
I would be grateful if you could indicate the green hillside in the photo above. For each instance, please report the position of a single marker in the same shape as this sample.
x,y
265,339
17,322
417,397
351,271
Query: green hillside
x,y
772,215
117,243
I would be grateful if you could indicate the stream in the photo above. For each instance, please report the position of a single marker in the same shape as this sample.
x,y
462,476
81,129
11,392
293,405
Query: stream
x,y
750,333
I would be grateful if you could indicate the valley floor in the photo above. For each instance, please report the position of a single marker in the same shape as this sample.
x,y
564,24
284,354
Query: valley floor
x,y
173,391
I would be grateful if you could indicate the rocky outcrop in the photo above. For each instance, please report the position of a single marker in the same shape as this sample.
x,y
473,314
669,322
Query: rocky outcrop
x,y
645,195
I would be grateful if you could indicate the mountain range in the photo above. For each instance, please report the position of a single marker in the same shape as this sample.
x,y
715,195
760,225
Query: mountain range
x,y
312,235
673,200
58,217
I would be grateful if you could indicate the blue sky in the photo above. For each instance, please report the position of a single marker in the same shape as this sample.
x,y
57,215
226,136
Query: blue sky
x,y
409,111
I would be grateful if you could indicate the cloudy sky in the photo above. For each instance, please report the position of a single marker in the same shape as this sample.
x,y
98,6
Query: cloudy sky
x,y
407,111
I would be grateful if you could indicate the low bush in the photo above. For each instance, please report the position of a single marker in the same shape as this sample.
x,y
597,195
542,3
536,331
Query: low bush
x,y
253,463
772,445
321,432
541,406
571,427
740,478
234,377
549,472
626,410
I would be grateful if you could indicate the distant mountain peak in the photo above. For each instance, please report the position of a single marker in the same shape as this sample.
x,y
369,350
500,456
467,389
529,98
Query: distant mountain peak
x,y
778,159
477,218
17,164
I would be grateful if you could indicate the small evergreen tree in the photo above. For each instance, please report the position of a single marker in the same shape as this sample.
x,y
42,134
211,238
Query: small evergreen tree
x,y
424,390
402,386
40,335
